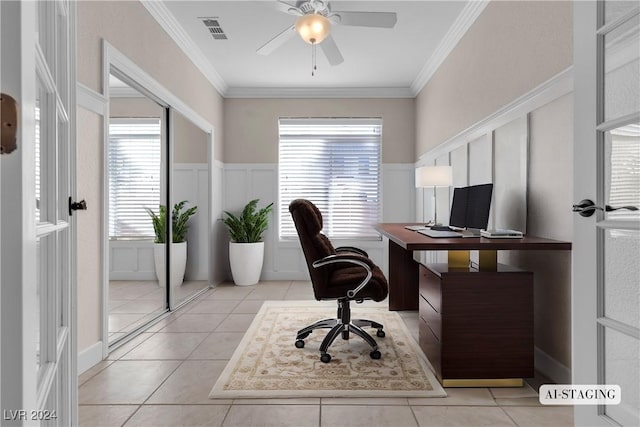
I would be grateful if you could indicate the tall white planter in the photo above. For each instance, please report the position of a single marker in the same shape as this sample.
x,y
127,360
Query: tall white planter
x,y
178,263
246,262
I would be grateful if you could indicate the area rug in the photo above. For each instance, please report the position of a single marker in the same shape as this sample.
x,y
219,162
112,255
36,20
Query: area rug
x,y
266,364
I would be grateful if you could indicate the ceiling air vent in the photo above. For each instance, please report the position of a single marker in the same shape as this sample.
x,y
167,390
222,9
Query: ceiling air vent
x,y
214,28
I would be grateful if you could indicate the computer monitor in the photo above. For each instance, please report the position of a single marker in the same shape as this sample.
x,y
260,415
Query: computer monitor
x,y
470,207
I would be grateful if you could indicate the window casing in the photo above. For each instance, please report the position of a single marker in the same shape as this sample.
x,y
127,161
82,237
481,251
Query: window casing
x,y
134,176
335,163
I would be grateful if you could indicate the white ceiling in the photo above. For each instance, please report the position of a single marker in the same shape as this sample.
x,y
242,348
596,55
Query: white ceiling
x,y
393,60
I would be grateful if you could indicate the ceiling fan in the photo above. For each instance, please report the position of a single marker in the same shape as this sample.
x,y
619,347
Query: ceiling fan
x,y
314,22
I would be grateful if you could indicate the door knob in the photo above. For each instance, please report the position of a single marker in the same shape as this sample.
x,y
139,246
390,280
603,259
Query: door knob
x,y
586,208
76,206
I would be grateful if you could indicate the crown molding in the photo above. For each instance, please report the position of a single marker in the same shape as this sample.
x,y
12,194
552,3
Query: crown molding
x,y
463,22
332,92
168,22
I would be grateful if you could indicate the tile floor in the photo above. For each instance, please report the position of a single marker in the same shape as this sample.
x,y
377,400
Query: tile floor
x,y
163,378
132,303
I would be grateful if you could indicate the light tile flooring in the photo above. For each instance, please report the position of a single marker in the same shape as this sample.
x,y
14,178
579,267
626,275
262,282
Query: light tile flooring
x,y
132,303
163,378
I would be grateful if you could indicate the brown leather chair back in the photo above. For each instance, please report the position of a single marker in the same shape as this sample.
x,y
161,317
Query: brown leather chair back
x,y
315,245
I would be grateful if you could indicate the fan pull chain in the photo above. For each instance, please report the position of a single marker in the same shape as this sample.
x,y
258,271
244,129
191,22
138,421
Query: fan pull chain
x,y
313,57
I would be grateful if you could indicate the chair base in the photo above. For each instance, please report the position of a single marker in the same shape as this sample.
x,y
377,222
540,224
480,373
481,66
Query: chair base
x,y
343,325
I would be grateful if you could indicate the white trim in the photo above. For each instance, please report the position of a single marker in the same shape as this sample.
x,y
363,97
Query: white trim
x,y
332,92
461,25
89,357
168,22
557,86
125,92
551,368
91,100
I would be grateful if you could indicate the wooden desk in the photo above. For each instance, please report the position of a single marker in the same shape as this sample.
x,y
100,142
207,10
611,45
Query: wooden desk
x,y
403,270
475,324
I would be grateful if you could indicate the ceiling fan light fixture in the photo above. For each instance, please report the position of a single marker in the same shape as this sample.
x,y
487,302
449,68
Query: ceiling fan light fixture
x,y
313,28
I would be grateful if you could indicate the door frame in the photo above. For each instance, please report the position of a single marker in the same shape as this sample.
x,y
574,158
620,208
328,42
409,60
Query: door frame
x,y
112,57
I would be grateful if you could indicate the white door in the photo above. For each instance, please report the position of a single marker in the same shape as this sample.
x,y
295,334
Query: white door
x,y
606,267
38,293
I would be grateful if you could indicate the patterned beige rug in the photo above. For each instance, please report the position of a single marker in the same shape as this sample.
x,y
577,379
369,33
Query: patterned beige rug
x,y
266,364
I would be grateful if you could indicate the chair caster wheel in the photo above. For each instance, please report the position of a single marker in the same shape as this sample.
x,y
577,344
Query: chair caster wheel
x,y
375,354
345,335
325,358
299,344
380,333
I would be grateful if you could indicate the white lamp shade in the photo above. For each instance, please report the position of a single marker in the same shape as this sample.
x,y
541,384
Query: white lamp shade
x,y
313,27
434,176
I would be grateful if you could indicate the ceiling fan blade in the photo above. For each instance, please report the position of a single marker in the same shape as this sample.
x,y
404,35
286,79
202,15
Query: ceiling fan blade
x,y
331,51
291,9
367,19
277,41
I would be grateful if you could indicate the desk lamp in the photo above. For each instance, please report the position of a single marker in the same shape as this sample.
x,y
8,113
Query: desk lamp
x,y
434,176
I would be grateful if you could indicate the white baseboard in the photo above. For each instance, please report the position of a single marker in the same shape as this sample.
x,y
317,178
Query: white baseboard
x,y
551,368
89,357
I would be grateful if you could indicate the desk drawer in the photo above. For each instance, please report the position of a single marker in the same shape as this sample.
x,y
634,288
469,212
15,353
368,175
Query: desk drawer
x,y
431,347
433,319
430,288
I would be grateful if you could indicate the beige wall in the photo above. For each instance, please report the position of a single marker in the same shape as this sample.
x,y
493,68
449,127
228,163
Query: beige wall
x,y
89,187
132,30
190,142
251,125
511,48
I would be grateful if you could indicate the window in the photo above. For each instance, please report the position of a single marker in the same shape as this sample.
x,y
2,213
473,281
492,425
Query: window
x,y
335,163
134,176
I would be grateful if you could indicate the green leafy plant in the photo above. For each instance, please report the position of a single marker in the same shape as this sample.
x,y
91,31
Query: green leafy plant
x,y
179,222
250,224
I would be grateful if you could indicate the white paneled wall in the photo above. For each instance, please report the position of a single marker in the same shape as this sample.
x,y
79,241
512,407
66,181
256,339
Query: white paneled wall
x,y
131,260
284,260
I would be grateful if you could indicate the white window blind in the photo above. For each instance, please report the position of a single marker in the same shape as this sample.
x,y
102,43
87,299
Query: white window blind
x,y
334,163
134,176
623,150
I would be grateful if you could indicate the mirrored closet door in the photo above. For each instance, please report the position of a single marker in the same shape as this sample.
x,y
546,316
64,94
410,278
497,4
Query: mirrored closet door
x,y
136,195
190,195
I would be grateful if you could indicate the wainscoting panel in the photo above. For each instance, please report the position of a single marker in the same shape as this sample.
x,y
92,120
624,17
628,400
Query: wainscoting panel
x,y
481,160
284,260
131,260
398,192
460,166
510,175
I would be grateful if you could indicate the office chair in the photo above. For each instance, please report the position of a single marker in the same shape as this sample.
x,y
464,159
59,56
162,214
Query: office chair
x,y
345,274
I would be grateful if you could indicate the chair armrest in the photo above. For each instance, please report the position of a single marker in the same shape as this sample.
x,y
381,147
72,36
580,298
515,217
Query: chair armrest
x,y
349,258
352,249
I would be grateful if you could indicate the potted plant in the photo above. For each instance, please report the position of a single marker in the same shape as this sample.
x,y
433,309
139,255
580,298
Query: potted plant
x,y
179,226
246,247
